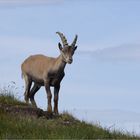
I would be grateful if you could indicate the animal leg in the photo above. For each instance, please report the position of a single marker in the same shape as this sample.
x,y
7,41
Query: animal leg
x,y
56,91
49,96
34,89
28,84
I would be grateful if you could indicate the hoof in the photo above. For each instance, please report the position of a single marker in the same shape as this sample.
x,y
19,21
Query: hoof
x,y
55,112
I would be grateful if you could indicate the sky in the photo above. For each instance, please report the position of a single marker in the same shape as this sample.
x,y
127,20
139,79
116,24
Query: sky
x,y
105,71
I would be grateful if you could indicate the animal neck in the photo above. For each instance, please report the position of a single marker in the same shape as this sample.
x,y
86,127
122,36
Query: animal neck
x,y
60,63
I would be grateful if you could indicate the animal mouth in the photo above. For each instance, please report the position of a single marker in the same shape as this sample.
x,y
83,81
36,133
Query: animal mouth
x,y
69,62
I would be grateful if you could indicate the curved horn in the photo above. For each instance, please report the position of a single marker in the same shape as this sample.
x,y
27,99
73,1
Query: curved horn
x,y
63,39
74,41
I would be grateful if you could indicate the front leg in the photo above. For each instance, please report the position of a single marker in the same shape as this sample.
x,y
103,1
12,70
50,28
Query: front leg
x,y
49,96
56,91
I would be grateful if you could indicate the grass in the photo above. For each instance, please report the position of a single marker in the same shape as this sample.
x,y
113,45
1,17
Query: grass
x,y
17,127
65,126
7,95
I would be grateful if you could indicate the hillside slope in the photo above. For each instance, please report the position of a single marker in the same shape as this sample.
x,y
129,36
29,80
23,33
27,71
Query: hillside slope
x,y
18,121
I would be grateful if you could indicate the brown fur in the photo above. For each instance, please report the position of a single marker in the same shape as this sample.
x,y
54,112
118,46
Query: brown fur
x,y
46,71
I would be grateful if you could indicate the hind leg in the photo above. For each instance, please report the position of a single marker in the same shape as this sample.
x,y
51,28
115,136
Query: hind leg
x,y
28,84
34,89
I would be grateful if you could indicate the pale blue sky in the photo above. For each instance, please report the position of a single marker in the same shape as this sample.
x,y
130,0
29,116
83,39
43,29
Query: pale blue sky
x,y
28,27
99,23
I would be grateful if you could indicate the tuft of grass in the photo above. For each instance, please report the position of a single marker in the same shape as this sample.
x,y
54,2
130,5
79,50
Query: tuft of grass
x,y
8,95
10,99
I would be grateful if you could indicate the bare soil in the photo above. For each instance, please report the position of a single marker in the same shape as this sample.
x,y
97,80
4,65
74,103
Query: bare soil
x,y
25,111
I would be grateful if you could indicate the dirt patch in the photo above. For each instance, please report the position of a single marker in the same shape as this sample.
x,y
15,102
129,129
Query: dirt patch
x,y
26,111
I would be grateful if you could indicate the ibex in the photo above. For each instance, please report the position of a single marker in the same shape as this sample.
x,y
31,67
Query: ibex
x,y
47,71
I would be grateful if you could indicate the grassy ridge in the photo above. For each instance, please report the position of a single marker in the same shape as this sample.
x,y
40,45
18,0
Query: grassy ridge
x,y
20,127
64,126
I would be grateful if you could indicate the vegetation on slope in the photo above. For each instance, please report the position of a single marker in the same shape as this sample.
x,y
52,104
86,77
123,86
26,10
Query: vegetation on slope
x,y
15,124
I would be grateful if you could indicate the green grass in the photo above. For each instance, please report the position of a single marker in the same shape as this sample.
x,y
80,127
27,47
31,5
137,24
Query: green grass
x,y
17,127
64,126
7,95
10,100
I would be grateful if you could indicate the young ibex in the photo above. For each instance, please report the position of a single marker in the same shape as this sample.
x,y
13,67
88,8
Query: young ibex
x,y
47,71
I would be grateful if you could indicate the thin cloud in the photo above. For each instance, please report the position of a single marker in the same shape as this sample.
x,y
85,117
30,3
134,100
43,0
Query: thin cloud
x,y
126,52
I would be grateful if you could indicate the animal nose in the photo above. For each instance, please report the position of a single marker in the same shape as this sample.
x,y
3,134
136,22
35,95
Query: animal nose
x,y
70,59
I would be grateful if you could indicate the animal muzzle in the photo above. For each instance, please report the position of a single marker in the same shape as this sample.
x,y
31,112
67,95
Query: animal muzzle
x,y
69,61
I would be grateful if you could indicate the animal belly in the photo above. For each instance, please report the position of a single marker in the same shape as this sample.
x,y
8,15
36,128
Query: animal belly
x,y
38,81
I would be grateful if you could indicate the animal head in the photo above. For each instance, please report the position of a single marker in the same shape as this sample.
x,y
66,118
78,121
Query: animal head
x,y
67,50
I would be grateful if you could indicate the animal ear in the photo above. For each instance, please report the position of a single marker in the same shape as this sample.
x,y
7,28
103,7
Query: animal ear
x,y
60,46
75,48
